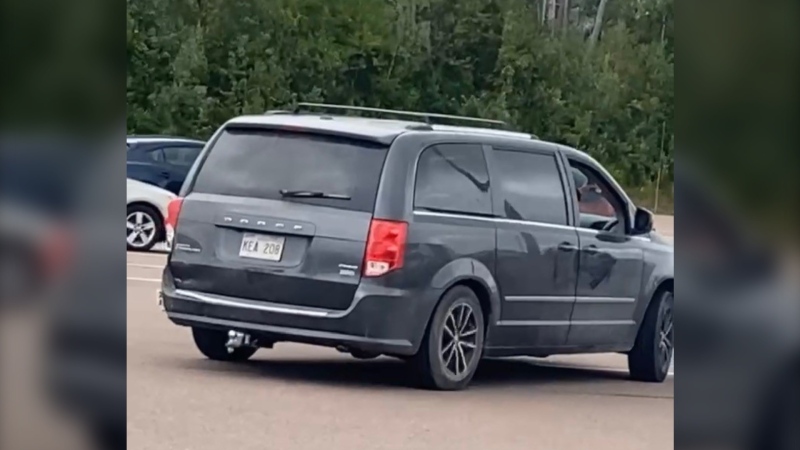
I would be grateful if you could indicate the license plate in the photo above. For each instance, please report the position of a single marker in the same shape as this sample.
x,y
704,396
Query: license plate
x,y
262,246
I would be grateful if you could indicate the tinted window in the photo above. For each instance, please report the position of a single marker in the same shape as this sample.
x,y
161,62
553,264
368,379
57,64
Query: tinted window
x,y
141,173
153,155
453,177
181,156
532,187
256,163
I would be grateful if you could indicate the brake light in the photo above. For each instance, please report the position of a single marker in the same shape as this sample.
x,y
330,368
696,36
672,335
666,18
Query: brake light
x,y
173,210
386,247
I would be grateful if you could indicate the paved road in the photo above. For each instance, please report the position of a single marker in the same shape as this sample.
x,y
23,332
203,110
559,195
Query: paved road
x,y
664,224
299,397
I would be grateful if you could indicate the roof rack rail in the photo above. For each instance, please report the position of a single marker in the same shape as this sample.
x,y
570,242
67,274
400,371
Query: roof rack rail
x,y
426,116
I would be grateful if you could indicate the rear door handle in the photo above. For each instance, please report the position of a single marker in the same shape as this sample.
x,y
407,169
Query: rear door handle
x,y
567,247
592,250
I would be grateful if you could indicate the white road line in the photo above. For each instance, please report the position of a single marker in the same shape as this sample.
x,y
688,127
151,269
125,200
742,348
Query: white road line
x,y
147,262
134,256
152,253
148,280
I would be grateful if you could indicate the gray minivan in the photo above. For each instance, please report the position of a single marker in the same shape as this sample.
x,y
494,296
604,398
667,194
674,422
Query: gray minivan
x,y
436,244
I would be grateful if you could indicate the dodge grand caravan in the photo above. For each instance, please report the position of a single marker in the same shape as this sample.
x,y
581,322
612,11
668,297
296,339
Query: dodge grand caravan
x,y
437,244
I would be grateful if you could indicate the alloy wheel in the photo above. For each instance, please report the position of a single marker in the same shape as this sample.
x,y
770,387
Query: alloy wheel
x,y
666,335
459,341
141,229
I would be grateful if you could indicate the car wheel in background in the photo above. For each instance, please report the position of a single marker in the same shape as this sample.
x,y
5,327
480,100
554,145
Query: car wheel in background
x,y
145,227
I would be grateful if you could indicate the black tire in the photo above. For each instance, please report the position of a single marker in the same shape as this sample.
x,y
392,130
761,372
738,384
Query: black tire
x,y
439,372
158,223
211,343
650,358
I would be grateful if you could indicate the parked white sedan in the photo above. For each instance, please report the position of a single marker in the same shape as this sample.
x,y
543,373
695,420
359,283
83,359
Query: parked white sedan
x,y
147,209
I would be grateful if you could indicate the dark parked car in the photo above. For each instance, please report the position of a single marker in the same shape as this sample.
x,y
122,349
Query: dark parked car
x,y
436,244
162,161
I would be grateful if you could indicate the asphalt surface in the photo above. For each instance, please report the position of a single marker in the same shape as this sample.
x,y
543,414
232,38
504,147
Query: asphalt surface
x,y
301,397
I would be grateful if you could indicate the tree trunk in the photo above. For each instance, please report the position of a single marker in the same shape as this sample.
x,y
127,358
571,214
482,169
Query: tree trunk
x,y
550,12
565,15
598,23
545,9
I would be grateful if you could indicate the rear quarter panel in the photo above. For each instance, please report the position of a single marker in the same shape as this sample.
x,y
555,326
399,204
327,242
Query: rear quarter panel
x,y
442,250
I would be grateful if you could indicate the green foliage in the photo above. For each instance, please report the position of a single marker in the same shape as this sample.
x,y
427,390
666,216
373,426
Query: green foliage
x,y
192,64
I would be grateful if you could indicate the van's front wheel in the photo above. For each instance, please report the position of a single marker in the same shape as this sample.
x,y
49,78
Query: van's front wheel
x,y
650,358
453,343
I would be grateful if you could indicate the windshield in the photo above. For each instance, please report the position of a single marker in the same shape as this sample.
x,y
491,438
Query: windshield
x,y
337,172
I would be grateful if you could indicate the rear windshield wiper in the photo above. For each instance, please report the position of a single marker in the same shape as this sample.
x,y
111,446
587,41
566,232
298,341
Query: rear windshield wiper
x,y
312,194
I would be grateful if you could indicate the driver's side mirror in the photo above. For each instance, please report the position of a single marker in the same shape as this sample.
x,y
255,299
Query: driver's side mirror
x,y
642,221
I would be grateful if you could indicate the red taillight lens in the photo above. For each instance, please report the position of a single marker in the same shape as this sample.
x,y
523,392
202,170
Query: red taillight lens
x,y
173,210
386,247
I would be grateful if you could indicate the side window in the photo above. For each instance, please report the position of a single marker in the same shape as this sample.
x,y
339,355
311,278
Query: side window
x,y
454,178
531,186
154,155
598,206
181,156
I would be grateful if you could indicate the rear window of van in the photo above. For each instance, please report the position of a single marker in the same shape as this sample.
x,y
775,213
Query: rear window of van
x,y
248,162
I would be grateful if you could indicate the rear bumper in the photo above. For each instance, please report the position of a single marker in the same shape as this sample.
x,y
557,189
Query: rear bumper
x,y
380,320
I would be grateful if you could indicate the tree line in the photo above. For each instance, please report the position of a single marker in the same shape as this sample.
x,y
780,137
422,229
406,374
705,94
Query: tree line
x,y
593,74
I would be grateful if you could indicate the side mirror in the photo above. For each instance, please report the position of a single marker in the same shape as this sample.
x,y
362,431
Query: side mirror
x,y
642,221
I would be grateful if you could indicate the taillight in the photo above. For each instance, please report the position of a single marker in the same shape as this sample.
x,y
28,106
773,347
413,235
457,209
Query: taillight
x,y
386,247
173,210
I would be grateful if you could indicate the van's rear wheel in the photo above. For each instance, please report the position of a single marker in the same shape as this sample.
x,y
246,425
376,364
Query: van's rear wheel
x,y
650,358
211,343
453,343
